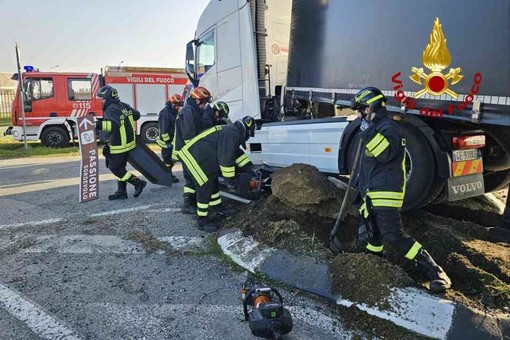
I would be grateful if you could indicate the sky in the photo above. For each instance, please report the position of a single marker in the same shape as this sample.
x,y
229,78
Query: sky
x,y
85,35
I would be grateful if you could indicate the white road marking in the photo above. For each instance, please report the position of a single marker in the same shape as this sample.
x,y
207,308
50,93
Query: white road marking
x,y
244,251
31,223
40,322
163,210
122,211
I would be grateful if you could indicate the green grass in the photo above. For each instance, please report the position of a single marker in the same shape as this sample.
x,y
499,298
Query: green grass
x,y
9,148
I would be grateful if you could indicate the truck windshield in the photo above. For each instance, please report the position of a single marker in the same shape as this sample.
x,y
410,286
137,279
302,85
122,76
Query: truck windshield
x,y
205,54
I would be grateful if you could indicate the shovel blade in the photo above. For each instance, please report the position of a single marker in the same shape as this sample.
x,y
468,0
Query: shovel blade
x,y
335,246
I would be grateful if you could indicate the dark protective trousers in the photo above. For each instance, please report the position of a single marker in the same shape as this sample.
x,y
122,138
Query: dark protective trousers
x,y
207,195
117,165
166,154
385,226
189,184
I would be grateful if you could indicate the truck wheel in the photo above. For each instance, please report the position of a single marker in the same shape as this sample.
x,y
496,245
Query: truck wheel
x,y
149,132
419,166
496,181
55,137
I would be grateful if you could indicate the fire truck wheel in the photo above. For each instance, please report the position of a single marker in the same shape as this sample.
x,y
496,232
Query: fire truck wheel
x,y
55,137
149,132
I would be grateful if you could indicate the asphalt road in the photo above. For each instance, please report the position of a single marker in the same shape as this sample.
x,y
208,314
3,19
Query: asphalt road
x,y
131,269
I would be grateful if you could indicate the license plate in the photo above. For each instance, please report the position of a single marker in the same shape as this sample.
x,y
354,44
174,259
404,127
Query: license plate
x,y
466,155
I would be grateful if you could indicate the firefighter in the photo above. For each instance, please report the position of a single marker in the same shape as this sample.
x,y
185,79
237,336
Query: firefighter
x,y
190,123
382,184
211,153
119,120
166,123
217,114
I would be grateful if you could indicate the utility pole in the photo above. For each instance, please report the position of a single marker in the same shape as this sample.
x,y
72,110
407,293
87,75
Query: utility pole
x,y
21,97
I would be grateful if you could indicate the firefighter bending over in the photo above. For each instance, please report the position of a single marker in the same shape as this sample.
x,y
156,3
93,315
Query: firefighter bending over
x,y
166,124
190,123
382,184
211,153
217,114
119,120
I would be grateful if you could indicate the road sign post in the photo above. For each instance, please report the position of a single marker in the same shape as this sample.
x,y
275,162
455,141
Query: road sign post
x,y
89,167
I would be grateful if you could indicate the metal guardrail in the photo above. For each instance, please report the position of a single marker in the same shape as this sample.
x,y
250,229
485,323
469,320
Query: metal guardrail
x,y
6,97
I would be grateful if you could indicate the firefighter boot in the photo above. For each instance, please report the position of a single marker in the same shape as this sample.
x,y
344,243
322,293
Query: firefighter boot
x,y
189,206
206,225
439,281
138,183
121,193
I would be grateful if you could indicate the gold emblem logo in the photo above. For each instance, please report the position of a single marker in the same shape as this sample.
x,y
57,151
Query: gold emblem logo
x,y
436,57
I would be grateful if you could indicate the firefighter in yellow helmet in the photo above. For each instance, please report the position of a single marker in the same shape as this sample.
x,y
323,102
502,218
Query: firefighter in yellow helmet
x,y
382,184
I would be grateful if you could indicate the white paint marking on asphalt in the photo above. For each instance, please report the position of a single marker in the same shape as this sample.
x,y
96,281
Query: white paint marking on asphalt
x,y
164,210
31,223
183,242
415,310
122,211
85,244
244,251
41,323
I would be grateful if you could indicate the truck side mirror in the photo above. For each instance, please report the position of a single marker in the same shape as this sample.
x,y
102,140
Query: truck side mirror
x,y
190,61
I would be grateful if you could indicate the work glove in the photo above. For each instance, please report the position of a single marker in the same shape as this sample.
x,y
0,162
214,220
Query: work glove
x,y
230,184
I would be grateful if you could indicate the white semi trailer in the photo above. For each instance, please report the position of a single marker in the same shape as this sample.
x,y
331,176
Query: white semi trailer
x,y
294,64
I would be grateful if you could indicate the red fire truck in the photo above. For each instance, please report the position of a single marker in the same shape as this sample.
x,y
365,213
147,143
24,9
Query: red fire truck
x,y
54,100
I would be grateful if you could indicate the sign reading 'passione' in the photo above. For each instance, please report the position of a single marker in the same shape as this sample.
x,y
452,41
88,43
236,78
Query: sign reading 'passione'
x,y
89,168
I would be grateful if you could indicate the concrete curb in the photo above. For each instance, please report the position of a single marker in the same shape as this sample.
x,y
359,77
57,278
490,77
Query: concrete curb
x,y
410,308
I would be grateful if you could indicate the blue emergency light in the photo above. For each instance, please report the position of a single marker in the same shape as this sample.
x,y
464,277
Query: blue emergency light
x,y
28,68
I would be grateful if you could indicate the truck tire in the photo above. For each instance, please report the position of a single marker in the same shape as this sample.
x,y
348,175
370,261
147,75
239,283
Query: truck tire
x,y
55,137
419,166
496,181
149,132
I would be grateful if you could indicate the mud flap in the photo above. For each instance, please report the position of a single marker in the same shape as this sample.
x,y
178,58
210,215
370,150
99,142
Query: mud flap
x,y
149,164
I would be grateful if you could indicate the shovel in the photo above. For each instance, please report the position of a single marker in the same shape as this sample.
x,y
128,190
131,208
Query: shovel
x,y
335,245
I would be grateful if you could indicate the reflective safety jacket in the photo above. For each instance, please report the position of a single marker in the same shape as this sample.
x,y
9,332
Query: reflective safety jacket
x,y
189,123
119,120
213,152
382,172
166,124
209,119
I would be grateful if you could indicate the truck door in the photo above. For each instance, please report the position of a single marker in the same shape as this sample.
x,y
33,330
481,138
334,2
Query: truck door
x,y
41,102
79,101
206,61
